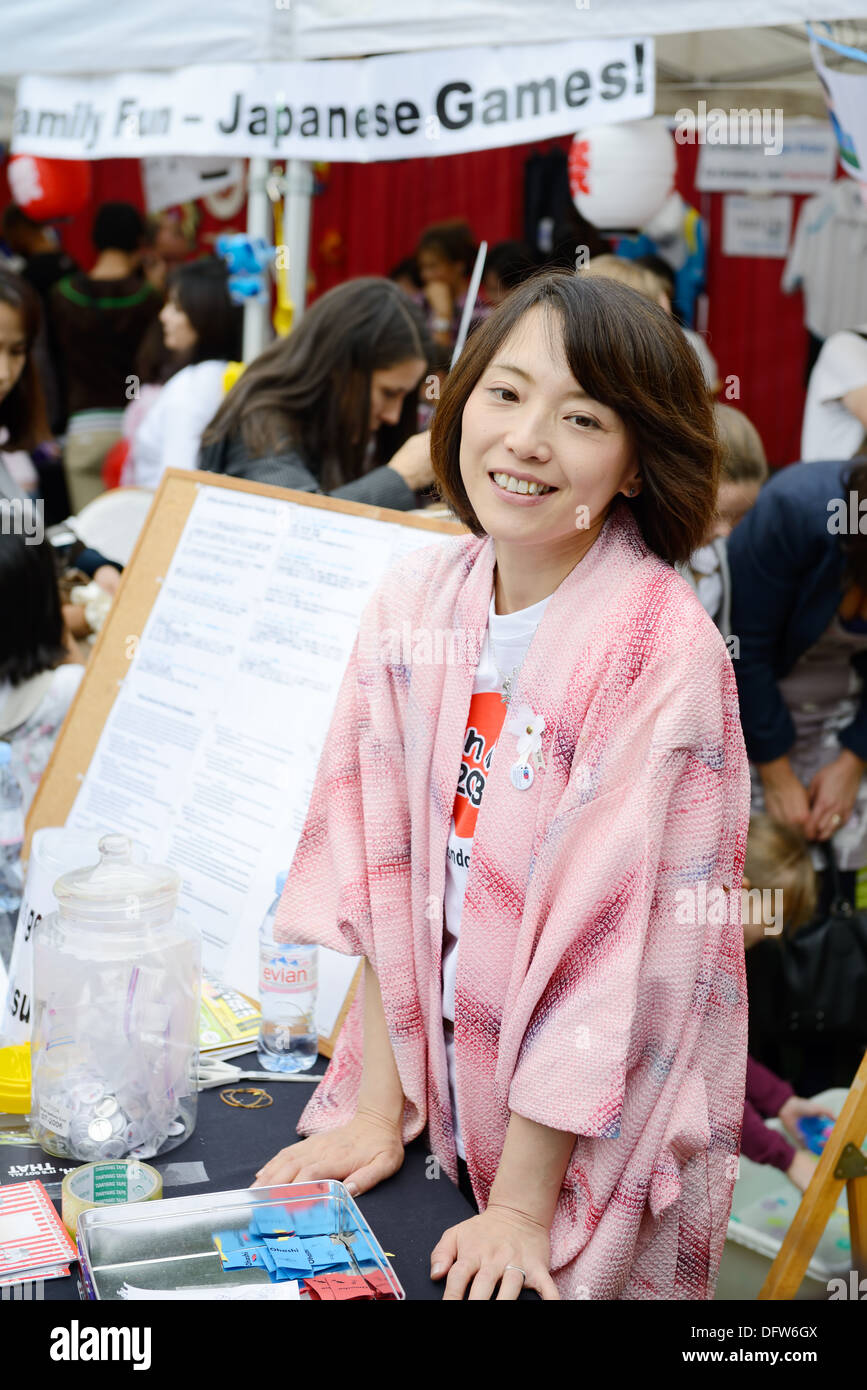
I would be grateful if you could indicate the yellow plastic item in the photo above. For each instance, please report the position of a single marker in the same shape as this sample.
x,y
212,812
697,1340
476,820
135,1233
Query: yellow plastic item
x,y
15,1079
107,1184
234,371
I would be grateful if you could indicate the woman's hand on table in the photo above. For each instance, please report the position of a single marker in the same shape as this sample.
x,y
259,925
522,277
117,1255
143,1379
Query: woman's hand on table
x,y
477,1252
786,797
832,794
360,1154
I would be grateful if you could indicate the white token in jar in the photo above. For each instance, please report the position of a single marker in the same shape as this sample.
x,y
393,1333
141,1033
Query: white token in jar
x,y
99,1130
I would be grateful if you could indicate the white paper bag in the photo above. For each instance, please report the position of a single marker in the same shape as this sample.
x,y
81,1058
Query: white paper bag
x,y
54,851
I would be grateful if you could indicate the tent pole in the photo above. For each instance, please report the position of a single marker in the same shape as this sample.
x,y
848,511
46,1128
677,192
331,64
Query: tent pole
x,y
257,317
296,228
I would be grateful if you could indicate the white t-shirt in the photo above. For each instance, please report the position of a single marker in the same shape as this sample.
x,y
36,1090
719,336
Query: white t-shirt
x,y
830,431
828,259
170,435
507,640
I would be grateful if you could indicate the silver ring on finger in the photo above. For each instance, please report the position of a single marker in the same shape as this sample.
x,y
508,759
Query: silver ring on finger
x,y
521,1271
835,821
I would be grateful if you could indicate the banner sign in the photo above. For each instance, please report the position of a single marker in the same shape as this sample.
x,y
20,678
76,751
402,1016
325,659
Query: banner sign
x,y
172,179
757,226
399,106
845,96
805,163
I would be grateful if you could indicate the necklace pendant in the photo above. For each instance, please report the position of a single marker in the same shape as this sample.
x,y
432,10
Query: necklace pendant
x,y
506,695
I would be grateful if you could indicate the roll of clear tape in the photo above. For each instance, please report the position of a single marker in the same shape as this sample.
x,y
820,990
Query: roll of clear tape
x,y
107,1184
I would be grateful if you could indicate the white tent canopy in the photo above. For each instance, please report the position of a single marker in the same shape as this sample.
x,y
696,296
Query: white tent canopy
x,y
772,67
89,36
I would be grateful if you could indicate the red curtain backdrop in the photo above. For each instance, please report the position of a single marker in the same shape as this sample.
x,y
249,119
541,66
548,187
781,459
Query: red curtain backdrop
x,y
366,217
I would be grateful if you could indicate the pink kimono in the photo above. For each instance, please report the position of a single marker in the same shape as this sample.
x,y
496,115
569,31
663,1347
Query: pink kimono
x,y
586,999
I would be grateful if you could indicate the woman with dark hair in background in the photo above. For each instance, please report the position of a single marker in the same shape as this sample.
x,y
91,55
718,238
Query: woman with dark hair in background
x,y
332,407
23,422
202,329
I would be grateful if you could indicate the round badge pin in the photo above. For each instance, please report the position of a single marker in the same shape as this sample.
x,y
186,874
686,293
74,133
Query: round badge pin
x,y
521,776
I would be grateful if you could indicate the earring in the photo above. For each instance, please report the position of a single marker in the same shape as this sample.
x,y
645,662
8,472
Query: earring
x,y
632,491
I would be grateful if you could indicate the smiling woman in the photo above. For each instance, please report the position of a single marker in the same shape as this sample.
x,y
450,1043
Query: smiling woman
x,y
504,837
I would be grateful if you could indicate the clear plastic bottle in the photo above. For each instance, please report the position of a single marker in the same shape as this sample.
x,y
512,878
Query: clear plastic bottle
x,y
11,836
288,977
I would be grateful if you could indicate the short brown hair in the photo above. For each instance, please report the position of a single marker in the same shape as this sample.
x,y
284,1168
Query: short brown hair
x,y
638,277
630,356
742,454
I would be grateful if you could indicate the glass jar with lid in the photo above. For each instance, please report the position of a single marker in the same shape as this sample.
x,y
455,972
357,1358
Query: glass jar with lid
x,y
116,988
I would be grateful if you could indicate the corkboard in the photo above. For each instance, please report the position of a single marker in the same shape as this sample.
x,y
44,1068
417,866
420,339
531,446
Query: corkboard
x,y
139,586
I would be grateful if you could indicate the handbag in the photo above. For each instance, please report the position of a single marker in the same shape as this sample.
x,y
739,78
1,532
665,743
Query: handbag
x,y
808,992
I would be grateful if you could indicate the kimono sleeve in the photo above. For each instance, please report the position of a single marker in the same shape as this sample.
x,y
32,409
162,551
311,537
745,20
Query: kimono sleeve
x,y
618,987
326,900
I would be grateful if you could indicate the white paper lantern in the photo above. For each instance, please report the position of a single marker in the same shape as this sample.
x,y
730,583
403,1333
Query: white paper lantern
x,y
620,175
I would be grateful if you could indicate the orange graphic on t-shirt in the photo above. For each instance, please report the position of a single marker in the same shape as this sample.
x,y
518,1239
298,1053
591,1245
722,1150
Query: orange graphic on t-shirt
x,y
485,721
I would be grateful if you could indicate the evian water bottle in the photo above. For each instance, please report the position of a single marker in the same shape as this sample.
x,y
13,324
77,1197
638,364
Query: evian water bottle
x,y
287,993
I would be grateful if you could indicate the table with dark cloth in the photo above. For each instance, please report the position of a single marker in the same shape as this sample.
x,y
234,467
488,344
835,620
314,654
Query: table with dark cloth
x,y
407,1214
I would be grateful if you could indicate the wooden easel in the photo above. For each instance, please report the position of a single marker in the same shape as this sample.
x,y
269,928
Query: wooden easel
x,y
841,1161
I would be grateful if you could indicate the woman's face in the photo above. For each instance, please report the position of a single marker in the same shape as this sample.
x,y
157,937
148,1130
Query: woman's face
x,y
528,419
13,348
178,333
389,387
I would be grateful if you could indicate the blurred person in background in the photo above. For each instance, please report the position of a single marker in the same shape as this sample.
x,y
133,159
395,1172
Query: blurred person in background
x,y
40,664
23,423
201,330
445,256
659,288
332,407
743,470
835,411
799,609
506,265
98,321
777,859
405,275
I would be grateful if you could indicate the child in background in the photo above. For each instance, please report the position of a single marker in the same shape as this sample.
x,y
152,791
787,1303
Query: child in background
x,y
743,469
40,665
776,855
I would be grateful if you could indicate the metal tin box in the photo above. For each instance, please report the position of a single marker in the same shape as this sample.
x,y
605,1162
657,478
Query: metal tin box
x,y
169,1244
